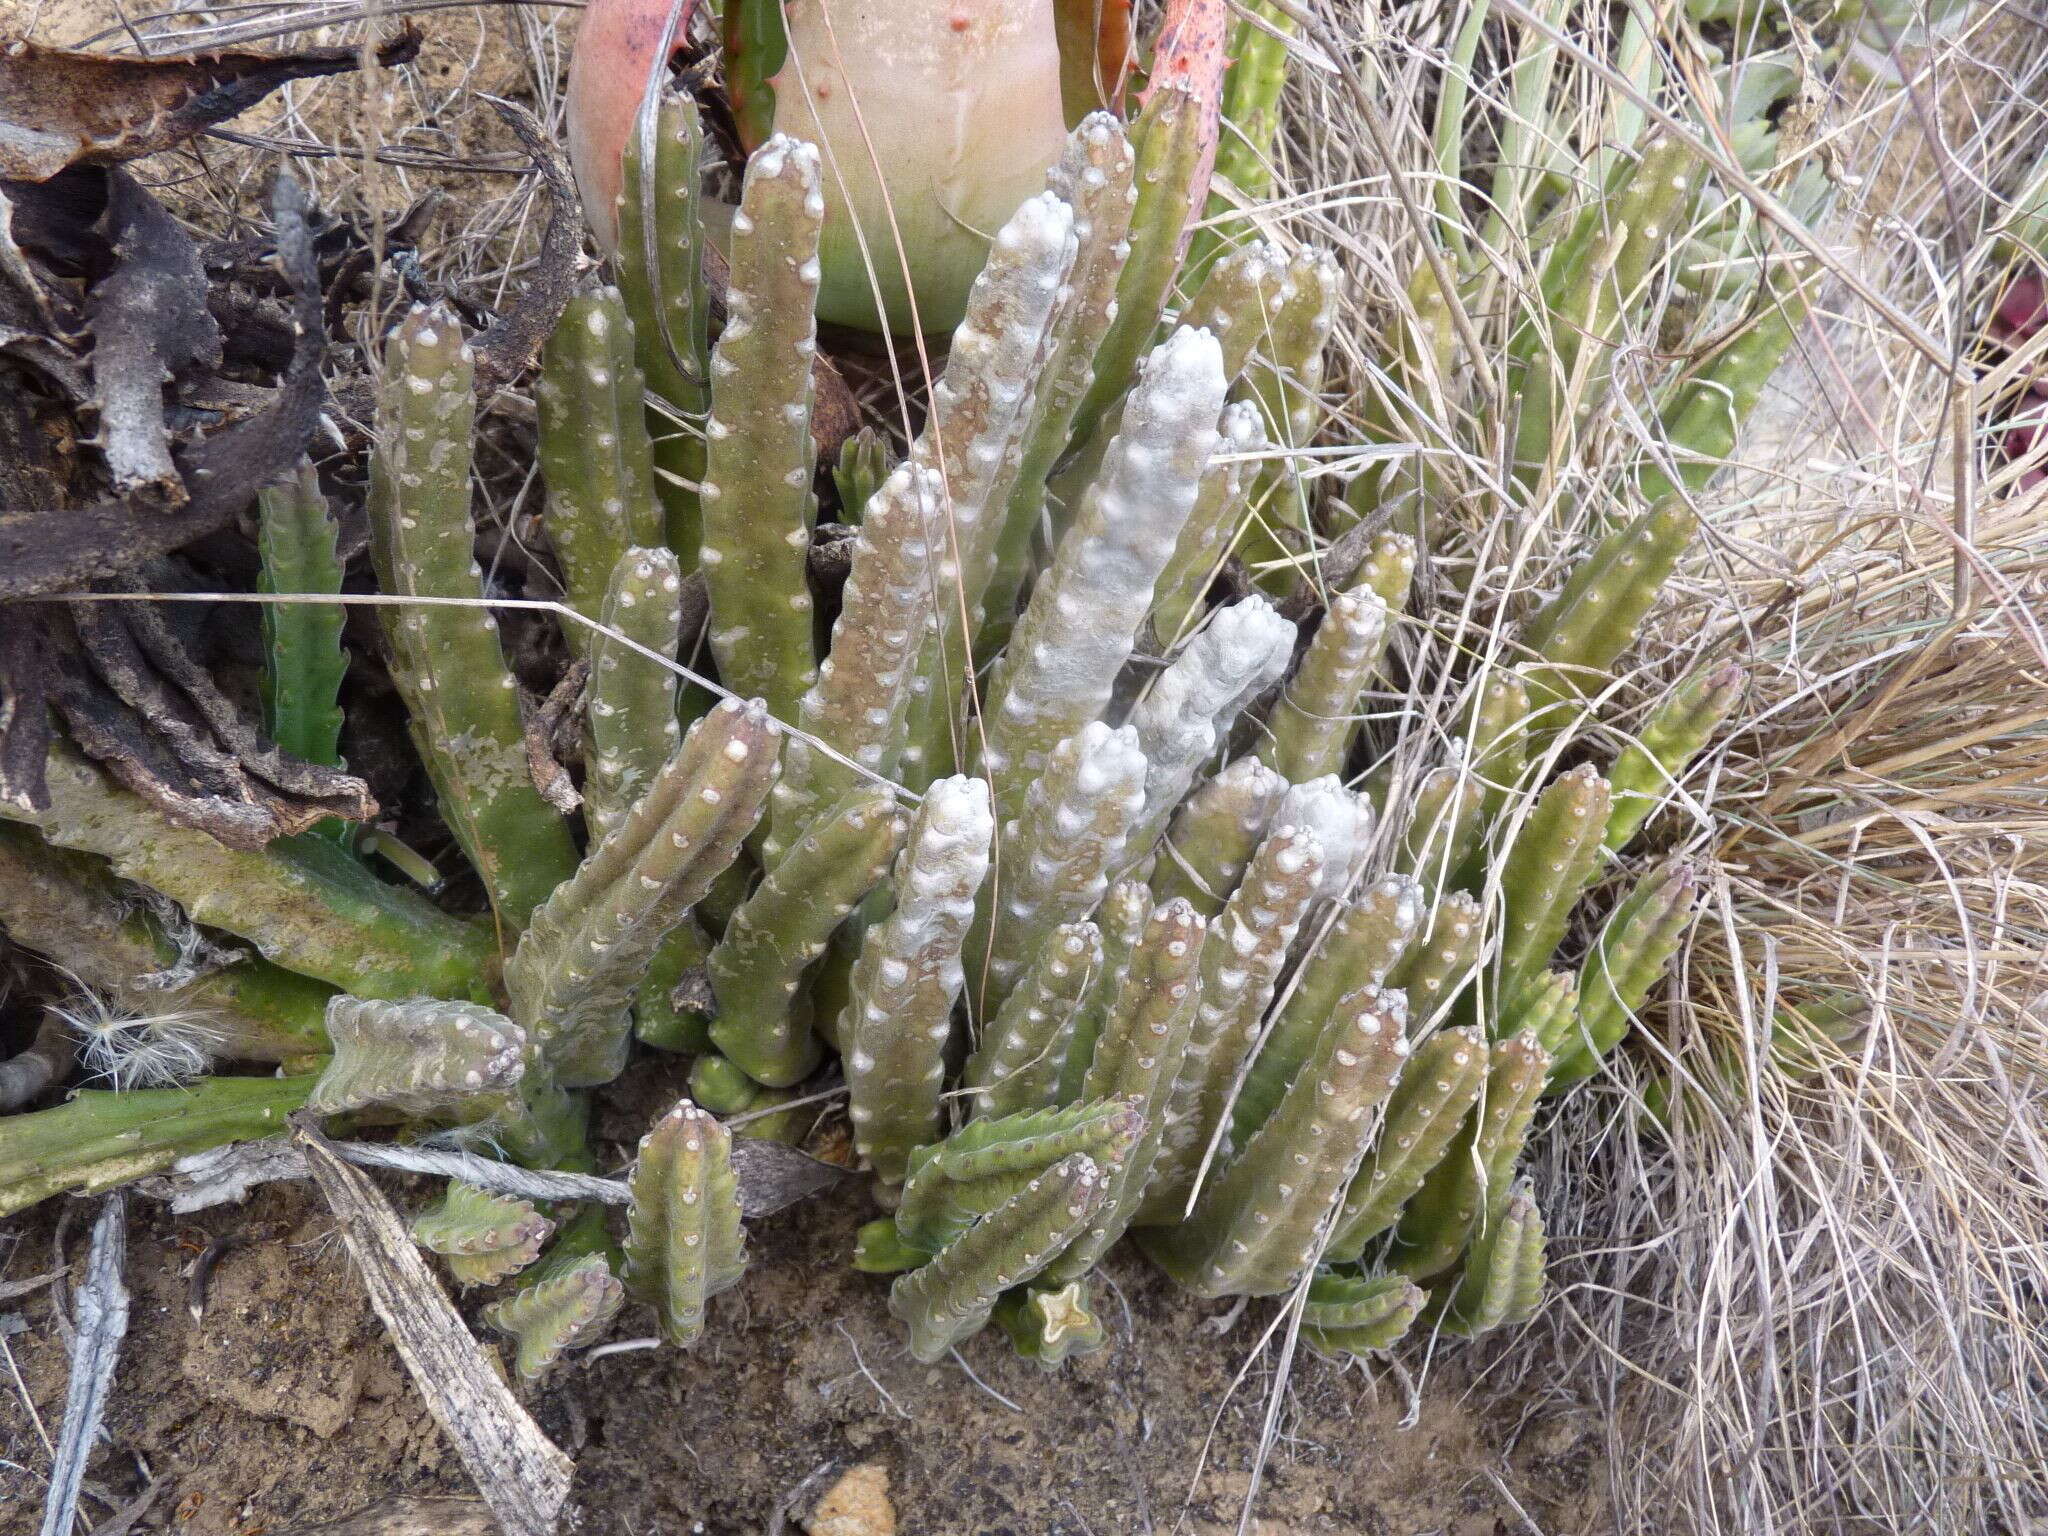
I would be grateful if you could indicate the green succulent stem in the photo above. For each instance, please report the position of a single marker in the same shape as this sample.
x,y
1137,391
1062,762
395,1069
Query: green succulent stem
x,y
1358,949
660,267
1078,631
1120,923
721,1086
1255,1229
756,39
447,661
1250,131
859,706
1500,749
1672,737
1359,1314
303,658
982,415
1167,141
1236,299
955,1182
1285,376
1446,816
952,1297
778,1115
1435,966
421,1057
1422,356
1212,525
308,907
1437,1089
1311,728
879,1249
1592,285
1468,1191
1547,1009
68,908
684,1242
864,464
1190,707
1138,1058
1387,569
756,496
594,453
1285,371
1577,635
1501,1281
1212,837
631,700
98,1140
1094,177
545,1127
1633,952
482,1237
895,1031
573,978
763,1017
1547,867
581,1232
1242,955
1017,1065
1057,855
569,1304
659,1019
1705,415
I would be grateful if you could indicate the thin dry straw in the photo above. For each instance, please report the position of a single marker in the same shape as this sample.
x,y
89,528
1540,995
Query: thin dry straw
x,y
1786,221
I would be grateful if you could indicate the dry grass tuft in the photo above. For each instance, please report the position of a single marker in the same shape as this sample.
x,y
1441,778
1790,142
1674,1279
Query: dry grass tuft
x,y
1806,1290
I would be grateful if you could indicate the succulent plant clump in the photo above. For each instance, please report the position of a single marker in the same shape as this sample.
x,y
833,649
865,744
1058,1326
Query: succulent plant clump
x,y
1063,822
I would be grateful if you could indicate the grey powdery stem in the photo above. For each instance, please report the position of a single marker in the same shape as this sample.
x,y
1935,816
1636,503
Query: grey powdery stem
x,y
1056,858
1243,650
896,1027
1078,631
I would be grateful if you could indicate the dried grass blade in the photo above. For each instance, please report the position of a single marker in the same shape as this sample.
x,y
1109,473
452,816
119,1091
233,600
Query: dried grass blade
x,y
522,1475
102,1321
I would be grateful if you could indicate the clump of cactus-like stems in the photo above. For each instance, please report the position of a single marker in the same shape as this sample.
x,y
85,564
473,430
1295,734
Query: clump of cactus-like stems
x,y
1098,868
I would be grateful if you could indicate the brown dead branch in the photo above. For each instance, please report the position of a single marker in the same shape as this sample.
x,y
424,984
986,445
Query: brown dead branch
x,y
70,107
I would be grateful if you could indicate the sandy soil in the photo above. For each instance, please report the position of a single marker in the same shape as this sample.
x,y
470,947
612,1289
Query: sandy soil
x,y
284,1406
